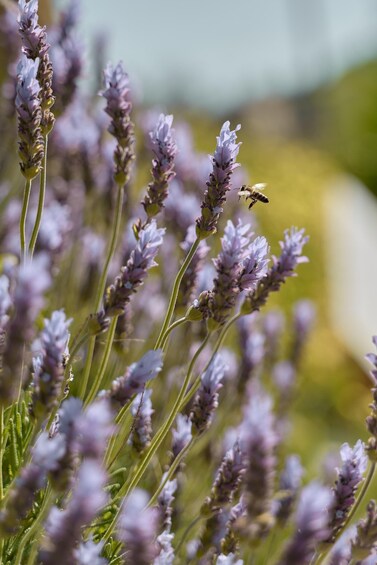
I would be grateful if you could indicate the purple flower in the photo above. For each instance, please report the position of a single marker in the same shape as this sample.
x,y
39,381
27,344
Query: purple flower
x,y
227,481
88,553
28,106
364,543
229,267
34,43
303,318
372,358
142,410
136,377
64,526
258,443
166,554
181,434
118,107
165,503
32,281
282,268
206,399
133,274
255,264
289,485
311,520
273,325
93,428
350,475
32,478
164,147
48,366
137,528
218,184
341,552
5,301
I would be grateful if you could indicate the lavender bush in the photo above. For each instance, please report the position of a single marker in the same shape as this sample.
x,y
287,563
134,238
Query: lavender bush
x,y
114,372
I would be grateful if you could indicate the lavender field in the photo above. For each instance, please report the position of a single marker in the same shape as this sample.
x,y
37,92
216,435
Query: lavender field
x,y
171,390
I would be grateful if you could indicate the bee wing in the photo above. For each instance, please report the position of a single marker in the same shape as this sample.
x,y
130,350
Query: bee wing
x,y
259,186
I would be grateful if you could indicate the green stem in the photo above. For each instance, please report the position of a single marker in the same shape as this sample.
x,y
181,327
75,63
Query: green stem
x,y
117,439
170,329
105,359
34,527
41,200
25,204
172,469
187,531
174,294
117,220
368,479
157,440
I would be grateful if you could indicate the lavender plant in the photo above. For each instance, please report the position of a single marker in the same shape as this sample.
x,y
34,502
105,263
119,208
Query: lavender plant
x,y
106,432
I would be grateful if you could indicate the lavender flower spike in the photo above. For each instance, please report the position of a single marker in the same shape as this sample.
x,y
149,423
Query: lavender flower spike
x,y
218,184
142,411
229,559
35,47
283,267
49,364
312,517
118,107
229,267
33,281
165,150
289,485
365,540
227,481
206,399
255,264
350,475
165,503
88,553
181,434
258,442
133,274
93,428
136,376
137,528
64,526
166,555
30,147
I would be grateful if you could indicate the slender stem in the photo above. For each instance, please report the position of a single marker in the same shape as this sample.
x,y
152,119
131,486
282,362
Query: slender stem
x,y
117,220
41,200
170,329
34,527
187,531
25,204
218,344
172,469
317,560
157,440
117,439
174,294
105,359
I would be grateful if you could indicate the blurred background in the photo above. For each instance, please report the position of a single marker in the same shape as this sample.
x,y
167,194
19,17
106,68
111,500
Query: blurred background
x,y
301,78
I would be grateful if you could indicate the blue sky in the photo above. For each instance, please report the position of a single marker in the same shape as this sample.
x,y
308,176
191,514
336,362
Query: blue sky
x,y
217,53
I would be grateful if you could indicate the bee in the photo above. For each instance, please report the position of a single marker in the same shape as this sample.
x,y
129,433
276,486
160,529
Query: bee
x,y
254,193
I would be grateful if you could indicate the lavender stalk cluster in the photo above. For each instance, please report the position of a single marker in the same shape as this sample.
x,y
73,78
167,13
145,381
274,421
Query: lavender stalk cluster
x,y
206,399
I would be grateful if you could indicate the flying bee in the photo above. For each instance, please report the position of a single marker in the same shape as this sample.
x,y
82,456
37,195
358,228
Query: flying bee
x,y
253,193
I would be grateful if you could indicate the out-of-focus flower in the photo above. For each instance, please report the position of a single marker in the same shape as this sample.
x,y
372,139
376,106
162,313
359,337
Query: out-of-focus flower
x,y
32,478
166,554
136,376
229,559
142,410
32,281
218,184
137,528
64,527
93,428
88,553
181,434
206,399
311,521
165,503
289,485
303,319
364,542
118,107
48,365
